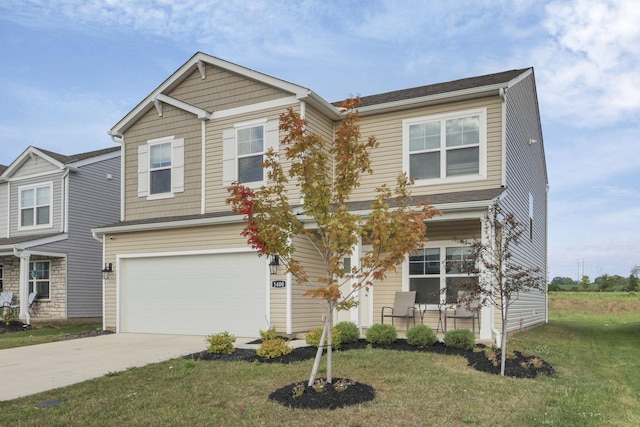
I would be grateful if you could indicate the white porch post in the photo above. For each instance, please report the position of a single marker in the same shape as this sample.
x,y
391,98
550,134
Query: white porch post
x,y
487,313
24,256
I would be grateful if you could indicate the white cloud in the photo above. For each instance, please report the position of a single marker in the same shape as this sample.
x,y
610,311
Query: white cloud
x,y
590,67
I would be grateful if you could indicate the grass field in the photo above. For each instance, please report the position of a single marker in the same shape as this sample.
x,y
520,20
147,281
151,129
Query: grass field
x,y
597,383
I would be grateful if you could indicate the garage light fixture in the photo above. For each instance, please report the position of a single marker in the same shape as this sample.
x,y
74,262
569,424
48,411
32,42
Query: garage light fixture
x,y
273,265
107,270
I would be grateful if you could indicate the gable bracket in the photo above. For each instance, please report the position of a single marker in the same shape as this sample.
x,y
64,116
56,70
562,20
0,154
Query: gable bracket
x,y
158,105
199,112
201,68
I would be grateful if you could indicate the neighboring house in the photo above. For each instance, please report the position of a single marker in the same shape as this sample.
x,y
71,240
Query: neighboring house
x,y
180,264
49,204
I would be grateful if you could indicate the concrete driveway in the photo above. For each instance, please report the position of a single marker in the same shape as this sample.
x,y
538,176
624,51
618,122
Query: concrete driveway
x,y
33,369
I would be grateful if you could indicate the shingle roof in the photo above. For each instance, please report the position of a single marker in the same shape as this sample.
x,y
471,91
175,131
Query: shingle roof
x,y
2,169
77,157
434,199
438,88
22,239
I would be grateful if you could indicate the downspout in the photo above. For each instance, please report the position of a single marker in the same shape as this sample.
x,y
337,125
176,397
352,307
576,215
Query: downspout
x,y
203,179
24,257
64,224
119,139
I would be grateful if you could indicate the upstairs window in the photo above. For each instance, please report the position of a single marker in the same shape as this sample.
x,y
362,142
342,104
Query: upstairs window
x,y
250,149
244,149
35,206
449,147
161,168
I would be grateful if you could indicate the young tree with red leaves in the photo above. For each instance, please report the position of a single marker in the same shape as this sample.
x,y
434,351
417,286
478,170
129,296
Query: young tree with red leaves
x,y
326,173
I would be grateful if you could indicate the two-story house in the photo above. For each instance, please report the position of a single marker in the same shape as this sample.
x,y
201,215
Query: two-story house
x,y
180,263
49,203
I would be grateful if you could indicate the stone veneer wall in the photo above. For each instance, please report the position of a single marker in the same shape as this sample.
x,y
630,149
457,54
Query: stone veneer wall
x,y
56,306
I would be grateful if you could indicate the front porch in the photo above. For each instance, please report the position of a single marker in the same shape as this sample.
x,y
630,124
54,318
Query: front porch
x,y
44,274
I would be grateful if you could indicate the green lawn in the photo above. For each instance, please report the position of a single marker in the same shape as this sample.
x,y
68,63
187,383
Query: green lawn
x,y
44,332
597,383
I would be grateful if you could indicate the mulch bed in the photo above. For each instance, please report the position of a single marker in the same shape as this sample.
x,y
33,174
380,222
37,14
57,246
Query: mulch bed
x,y
517,365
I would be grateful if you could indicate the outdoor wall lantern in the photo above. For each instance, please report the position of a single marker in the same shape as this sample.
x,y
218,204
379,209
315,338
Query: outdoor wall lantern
x,y
273,265
107,270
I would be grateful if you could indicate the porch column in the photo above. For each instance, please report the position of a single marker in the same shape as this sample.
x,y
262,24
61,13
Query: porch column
x,y
487,313
24,256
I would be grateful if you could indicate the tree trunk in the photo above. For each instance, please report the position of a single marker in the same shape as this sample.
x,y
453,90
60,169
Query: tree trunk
x,y
329,332
503,350
316,363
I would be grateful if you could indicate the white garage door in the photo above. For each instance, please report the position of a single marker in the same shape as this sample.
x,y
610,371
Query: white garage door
x,y
194,294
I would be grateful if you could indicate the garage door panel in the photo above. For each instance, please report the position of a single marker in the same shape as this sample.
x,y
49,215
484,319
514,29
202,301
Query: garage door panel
x,y
193,294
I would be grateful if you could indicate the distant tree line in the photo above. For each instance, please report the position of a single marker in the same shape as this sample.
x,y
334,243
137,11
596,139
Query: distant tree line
x,y
604,283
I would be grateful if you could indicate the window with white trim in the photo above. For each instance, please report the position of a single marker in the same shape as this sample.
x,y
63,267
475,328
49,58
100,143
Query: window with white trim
x,y
445,147
161,168
250,149
42,282
438,273
244,149
35,206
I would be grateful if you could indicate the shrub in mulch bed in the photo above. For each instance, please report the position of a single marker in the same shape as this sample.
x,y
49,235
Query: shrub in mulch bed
x,y
518,365
298,395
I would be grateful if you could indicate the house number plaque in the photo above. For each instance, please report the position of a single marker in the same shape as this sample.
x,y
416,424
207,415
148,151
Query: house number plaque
x,y
278,284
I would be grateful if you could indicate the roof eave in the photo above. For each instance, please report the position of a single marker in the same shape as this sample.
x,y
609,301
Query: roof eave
x,y
459,95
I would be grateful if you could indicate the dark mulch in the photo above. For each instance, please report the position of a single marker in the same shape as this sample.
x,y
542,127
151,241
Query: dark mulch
x,y
331,397
518,365
13,326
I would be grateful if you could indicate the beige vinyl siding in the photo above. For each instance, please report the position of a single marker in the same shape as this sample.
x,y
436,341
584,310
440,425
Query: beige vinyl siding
x,y
177,123
159,241
307,311
222,89
216,191
453,230
387,159
278,303
384,293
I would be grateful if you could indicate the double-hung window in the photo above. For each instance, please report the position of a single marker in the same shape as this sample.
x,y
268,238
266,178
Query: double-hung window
x,y
245,146
445,147
42,281
250,149
438,273
161,168
35,206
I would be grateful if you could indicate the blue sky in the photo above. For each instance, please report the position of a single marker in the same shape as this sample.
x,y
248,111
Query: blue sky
x,y
72,68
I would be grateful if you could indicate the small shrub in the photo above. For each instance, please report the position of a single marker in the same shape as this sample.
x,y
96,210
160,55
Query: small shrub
x,y
221,343
492,355
269,334
320,385
312,337
460,338
421,336
271,348
382,334
349,332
